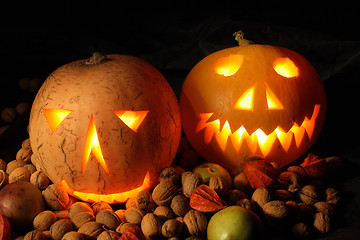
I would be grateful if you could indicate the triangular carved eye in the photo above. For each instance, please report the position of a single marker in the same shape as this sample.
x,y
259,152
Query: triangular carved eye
x,y
132,119
272,101
55,116
245,100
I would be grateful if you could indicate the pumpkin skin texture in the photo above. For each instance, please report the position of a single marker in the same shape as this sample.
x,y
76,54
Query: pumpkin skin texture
x,y
94,149
252,100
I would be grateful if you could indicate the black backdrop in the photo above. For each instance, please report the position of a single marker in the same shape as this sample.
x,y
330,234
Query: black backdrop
x,y
37,38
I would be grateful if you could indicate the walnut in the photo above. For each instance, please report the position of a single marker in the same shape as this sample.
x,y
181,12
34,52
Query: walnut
x,y
59,228
99,206
81,218
24,154
4,178
260,197
19,174
163,193
196,222
309,195
242,183
322,222
172,228
79,207
170,174
56,197
190,181
144,201
40,180
44,220
134,215
301,231
11,166
35,235
72,235
324,207
91,230
180,205
108,235
289,181
121,214
124,225
2,164
332,196
218,184
26,144
108,218
164,212
275,210
151,226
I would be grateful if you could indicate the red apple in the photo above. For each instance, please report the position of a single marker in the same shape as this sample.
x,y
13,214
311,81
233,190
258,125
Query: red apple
x,y
5,228
21,202
207,170
235,223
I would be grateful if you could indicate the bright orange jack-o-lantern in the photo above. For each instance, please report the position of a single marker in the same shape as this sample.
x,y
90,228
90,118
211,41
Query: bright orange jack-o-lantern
x,y
105,128
253,99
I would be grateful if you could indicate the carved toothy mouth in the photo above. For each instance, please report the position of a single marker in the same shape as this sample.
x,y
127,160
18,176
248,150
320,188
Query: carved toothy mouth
x,y
257,139
109,198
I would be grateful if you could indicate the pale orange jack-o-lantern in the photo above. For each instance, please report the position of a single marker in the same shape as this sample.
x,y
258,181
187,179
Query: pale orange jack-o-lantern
x,y
105,128
253,99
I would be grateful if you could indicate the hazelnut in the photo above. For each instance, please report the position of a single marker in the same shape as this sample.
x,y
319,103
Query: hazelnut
x,y
134,215
108,218
35,235
172,228
196,222
163,193
19,174
91,230
59,228
44,220
180,205
72,235
40,179
151,226
275,210
79,207
322,222
242,183
56,197
190,181
164,212
308,194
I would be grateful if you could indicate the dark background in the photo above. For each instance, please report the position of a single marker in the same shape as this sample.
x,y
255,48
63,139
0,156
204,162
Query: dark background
x,y
36,38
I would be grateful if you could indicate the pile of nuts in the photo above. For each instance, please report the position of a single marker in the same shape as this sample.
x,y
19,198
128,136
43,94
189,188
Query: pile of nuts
x,y
294,207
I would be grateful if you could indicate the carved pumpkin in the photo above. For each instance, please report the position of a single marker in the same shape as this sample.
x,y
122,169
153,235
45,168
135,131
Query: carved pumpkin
x,y
105,128
252,99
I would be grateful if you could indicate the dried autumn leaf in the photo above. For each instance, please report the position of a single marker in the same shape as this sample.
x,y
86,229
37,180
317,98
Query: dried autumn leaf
x,y
205,199
132,233
314,166
260,174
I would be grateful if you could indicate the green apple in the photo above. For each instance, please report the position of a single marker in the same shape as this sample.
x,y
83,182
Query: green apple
x,y
207,170
235,223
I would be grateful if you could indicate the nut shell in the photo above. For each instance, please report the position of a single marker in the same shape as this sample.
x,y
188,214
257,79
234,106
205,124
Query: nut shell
x,y
108,218
164,192
275,210
91,230
56,197
44,220
151,226
196,222
59,228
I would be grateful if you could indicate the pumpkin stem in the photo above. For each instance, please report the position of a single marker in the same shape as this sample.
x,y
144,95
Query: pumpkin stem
x,y
96,59
239,37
